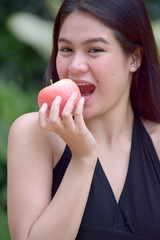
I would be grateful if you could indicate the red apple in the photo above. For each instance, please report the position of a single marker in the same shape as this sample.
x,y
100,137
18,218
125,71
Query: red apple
x,y
63,88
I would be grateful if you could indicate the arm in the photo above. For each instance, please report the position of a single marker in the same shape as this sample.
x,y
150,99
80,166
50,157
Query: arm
x,y
32,213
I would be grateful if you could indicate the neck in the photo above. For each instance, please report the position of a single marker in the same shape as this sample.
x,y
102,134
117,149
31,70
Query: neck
x,y
111,128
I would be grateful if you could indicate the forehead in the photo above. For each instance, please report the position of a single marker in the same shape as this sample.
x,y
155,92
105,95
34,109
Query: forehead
x,y
81,24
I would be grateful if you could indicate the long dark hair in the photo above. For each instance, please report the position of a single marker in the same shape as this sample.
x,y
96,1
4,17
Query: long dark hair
x,y
131,25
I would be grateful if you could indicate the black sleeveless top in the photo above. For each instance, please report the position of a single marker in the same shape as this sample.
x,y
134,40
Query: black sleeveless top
x,y
137,214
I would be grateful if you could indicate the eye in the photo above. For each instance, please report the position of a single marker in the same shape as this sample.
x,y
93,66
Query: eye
x,y
95,50
65,49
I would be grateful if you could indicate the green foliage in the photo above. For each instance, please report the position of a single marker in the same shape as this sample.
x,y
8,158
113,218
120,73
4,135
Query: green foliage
x,y
153,8
4,232
32,30
156,28
53,6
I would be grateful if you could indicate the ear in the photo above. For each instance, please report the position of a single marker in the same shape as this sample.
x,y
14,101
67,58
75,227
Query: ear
x,y
136,59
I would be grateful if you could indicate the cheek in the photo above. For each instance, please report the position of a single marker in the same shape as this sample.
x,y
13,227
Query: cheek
x,y
61,67
112,78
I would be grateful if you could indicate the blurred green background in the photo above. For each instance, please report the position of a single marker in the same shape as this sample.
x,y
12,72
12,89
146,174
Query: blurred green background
x,y
25,45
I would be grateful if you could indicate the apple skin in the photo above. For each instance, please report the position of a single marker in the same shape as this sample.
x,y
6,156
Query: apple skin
x,y
63,88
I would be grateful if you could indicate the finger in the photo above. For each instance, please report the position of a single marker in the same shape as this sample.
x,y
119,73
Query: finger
x,y
42,116
55,123
78,113
68,108
55,108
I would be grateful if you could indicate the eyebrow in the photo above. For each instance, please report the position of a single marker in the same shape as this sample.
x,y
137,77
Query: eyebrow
x,y
90,40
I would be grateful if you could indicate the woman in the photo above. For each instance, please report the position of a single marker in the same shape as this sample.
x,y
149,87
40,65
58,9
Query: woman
x,y
105,182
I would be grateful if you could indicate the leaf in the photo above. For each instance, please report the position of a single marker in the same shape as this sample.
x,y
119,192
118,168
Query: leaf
x,y
32,30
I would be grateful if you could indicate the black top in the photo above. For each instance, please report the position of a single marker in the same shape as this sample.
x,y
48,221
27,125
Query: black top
x,y
137,214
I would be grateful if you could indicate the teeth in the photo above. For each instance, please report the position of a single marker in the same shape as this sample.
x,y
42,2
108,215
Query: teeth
x,y
84,84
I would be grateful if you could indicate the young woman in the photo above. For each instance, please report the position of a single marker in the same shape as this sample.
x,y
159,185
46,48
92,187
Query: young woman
x,y
95,175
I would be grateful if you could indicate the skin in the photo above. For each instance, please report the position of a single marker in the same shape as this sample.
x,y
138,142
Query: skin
x,y
102,127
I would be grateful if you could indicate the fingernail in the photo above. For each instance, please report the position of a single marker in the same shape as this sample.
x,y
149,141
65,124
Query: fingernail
x,y
82,99
74,95
44,106
58,98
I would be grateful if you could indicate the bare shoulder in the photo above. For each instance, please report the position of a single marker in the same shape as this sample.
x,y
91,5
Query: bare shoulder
x,y
25,129
28,121
153,128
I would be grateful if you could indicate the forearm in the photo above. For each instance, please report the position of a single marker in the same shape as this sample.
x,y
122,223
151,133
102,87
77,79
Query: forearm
x,y
62,218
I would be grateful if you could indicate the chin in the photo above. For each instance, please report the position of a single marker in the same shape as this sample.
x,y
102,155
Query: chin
x,y
87,115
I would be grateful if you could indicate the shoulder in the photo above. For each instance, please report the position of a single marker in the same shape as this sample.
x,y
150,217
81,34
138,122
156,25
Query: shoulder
x,y
25,130
26,120
26,126
153,129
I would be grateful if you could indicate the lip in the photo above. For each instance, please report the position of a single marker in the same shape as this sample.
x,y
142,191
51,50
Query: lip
x,y
78,81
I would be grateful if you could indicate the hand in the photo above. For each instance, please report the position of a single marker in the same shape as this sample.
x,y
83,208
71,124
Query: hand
x,y
71,129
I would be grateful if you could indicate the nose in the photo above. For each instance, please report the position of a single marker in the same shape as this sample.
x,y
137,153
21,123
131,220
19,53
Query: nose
x,y
78,64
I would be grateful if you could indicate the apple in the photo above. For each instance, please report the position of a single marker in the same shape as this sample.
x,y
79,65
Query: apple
x,y
63,88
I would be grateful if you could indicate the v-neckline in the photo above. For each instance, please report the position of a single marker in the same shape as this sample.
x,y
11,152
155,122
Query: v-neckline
x,y
111,190
128,170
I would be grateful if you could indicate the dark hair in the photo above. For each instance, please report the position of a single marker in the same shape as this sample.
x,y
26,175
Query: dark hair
x,y
131,25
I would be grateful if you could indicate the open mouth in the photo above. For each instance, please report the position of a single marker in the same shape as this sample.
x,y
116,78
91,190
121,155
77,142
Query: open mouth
x,y
86,89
